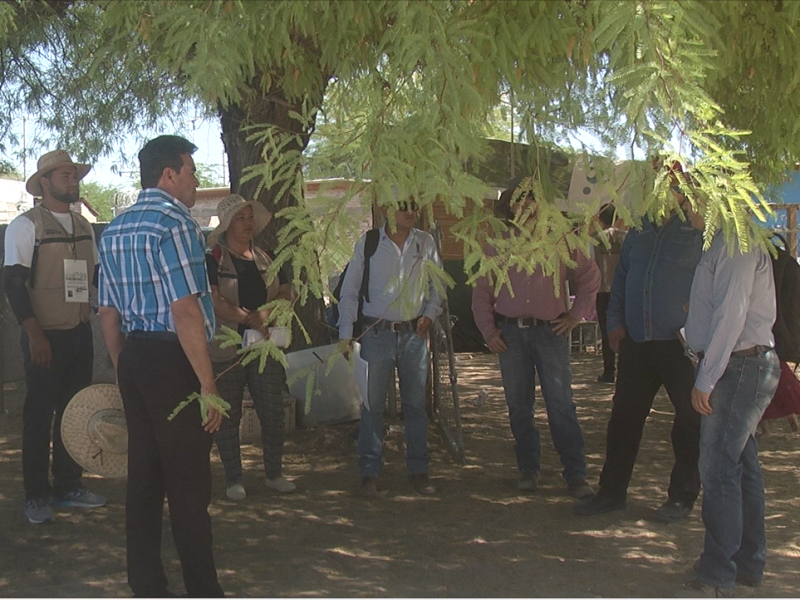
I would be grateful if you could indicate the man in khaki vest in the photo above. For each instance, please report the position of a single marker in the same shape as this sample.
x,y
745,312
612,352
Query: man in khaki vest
x,y
50,258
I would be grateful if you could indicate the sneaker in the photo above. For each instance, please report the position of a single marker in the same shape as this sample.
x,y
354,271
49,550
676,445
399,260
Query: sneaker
x,y
279,484
741,578
580,489
38,511
369,487
672,511
81,497
236,492
528,482
605,378
699,589
422,484
600,503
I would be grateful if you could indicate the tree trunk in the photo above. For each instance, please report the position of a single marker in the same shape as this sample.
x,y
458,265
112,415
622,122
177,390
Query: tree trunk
x,y
273,109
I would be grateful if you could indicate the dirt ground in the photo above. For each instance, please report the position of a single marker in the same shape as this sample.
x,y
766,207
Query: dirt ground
x,y
478,537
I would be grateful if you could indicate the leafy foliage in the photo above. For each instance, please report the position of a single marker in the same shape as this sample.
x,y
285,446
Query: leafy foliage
x,y
106,199
397,96
203,401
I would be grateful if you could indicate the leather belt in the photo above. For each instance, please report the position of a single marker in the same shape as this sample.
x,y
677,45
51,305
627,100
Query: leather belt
x,y
754,351
161,336
521,322
393,326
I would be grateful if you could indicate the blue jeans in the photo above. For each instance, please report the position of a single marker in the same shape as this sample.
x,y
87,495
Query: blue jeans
x,y
733,489
539,350
381,348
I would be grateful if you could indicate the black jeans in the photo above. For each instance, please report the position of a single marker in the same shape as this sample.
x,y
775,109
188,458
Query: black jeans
x,y
643,369
165,458
48,393
609,358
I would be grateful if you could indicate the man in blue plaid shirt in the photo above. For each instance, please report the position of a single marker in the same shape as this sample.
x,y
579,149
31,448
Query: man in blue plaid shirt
x,y
157,318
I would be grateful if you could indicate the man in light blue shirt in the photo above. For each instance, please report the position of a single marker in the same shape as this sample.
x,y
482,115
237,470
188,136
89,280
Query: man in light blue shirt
x,y
402,304
731,313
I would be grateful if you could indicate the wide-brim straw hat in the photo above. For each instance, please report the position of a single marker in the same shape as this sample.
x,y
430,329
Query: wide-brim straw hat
x,y
49,162
94,430
232,204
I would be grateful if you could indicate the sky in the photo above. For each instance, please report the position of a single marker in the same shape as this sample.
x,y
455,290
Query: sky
x,y
210,151
206,136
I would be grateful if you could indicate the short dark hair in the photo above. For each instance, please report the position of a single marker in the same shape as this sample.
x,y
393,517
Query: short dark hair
x,y
502,208
160,153
606,215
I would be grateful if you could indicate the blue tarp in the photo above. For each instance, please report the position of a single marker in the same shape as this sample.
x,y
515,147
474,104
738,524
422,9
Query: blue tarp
x,y
784,193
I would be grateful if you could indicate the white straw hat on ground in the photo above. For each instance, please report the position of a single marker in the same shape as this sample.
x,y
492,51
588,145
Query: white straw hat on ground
x,y
94,430
49,162
232,204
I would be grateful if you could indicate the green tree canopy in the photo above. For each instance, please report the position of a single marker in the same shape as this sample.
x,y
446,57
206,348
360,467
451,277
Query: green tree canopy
x,y
404,90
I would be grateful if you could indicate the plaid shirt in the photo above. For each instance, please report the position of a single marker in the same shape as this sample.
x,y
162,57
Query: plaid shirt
x,y
151,255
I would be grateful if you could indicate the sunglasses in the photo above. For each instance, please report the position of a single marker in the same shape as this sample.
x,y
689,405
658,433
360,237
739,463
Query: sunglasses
x,y
407,206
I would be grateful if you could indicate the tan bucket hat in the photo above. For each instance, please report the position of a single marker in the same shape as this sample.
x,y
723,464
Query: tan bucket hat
x,y
49,162
232,204
95,432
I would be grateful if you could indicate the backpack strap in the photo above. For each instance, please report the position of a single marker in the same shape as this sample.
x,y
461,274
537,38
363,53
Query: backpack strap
x,y
370,246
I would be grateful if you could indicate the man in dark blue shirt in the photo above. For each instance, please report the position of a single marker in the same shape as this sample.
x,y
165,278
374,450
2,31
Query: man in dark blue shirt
x,y
648,307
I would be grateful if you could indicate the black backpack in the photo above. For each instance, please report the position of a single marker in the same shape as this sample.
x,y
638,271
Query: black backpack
x,y
786,272
370,245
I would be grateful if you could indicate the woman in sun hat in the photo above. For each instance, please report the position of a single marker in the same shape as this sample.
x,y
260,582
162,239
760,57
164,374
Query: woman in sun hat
x,y
240,287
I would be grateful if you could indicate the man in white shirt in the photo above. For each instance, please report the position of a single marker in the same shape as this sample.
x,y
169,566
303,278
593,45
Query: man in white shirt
x,y
729,326
399,308
50,259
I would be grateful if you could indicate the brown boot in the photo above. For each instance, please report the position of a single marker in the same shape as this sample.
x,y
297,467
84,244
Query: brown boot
x,y
422,484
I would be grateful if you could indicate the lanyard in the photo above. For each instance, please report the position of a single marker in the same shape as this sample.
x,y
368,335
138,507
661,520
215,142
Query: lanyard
x,y
72,235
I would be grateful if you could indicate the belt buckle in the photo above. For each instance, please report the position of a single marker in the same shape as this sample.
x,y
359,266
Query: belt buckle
x,y
396,327
521,323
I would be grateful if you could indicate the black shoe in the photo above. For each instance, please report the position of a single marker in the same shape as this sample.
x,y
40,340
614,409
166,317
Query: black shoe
x,y
606,378
672,511
369,487
601,503
528,482
422,484
741,578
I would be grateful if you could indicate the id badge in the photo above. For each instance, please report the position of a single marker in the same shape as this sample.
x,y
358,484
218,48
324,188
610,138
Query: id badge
x,y
76,281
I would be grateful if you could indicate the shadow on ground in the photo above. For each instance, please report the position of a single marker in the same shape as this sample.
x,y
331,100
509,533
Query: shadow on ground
x,y
477,537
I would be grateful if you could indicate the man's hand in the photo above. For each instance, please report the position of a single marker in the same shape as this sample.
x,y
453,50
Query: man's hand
x,y
495,342
701,402
615,337
423,326
344,347
41,354
564,324
213,417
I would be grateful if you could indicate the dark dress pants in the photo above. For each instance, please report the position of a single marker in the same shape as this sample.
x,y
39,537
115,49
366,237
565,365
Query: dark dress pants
x,y
643,368
169,458
601,306
49,390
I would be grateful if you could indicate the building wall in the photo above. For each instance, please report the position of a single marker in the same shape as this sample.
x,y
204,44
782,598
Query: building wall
x,y
14,200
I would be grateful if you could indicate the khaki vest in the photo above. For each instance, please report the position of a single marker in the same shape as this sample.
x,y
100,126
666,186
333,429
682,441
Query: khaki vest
x,y
228,282
46,284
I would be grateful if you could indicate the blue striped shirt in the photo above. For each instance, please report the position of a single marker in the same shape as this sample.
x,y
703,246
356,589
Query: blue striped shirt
x,y
151,255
